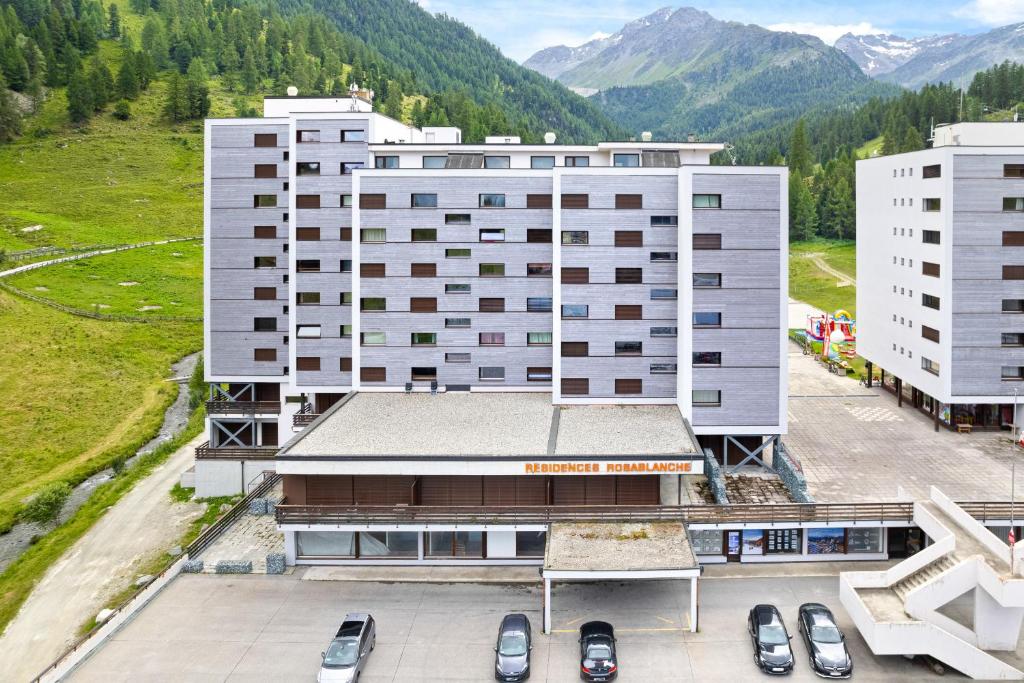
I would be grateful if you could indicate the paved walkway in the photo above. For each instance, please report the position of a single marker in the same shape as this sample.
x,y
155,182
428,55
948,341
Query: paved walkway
x,y
798,313
855,445
143,524
252,538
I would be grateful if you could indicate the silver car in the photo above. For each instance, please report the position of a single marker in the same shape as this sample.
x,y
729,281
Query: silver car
x,y
346,656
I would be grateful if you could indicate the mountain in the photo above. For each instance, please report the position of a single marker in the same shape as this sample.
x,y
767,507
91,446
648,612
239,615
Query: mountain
x,y
678,71
882,53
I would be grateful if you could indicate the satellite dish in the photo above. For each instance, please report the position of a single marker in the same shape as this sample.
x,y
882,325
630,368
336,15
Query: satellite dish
x,y
646,136
292,91
549,138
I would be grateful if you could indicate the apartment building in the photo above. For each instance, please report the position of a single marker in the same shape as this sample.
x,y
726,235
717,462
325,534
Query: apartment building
x,y
940,273
363,275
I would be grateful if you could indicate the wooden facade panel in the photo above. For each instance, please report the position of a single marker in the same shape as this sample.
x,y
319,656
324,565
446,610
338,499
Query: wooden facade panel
x,y
538,201
294,488
329,490
600,490
373,201
629,312
372,270
419,304
629,201
642,489
569,490
629,238
575,386
575,201
575,276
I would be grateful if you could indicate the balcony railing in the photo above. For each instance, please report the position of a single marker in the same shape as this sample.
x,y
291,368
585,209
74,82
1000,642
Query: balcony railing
x,y
305,416
243,407
207,452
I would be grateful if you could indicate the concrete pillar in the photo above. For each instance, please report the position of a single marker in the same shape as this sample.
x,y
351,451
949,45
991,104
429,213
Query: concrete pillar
x,y
869,367
547,606
289,548
899,393
693,604
669,489
997,627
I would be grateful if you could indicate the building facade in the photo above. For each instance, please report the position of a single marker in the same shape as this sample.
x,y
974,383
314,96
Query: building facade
x,y
940,273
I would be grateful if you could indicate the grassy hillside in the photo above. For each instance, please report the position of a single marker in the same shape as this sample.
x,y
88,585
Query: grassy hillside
x,y
809,283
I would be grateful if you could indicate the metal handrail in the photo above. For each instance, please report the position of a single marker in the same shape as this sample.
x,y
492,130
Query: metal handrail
x,y
205,539
223,406
205,451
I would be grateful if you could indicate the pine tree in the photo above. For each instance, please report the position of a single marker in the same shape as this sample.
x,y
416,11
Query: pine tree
x,y
127,78
10,117
841,210
197,91
802,215
911,140
176,106
113,21
80,105
800,152
101,84
250,77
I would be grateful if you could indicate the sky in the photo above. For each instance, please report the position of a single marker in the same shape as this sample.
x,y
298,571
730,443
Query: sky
x,y
521,27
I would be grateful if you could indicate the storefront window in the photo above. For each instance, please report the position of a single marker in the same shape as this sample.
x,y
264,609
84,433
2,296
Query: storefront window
x,y
531,543
783,541
863,540
826,541
706,541
753,542
325,543
455,544
388,544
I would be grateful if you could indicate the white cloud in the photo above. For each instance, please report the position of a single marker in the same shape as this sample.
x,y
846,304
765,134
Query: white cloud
x,y
830,33
993,12
596,35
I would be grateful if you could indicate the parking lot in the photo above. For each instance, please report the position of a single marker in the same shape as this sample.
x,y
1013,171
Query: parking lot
x,y
267,628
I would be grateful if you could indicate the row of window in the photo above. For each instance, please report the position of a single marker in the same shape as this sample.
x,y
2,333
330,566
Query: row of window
x,y
494,161
935,171
314,332
488,200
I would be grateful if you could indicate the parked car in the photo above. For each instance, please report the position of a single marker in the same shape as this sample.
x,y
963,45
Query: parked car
x,y
768,634
346,656
826,644
597,652
512,651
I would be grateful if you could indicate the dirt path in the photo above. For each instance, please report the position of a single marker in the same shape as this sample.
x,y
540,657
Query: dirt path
x,y
143,524
844,280
90,254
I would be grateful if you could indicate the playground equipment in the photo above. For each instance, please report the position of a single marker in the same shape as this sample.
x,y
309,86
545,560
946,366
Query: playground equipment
x,y
836,332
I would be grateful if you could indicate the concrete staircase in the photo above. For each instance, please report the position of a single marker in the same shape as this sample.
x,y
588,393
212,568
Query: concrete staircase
x,y
897,610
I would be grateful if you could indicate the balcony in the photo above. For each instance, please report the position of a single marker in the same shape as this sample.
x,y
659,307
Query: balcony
x,y
243,407
305,416
207,452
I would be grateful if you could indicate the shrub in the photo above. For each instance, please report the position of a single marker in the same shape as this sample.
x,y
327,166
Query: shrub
x,y
118,464
122,110
45,505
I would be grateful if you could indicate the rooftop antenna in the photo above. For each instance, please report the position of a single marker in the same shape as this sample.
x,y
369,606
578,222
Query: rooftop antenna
x,y
353,91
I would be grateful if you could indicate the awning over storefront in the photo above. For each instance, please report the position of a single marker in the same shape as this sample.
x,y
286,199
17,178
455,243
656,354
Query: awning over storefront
x,y
602,551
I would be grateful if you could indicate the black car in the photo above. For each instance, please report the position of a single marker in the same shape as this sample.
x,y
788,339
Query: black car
x,y
826,645
597,652
772,652
512,651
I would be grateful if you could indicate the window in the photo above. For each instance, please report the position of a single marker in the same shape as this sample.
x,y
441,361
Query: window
x,y
371,201
307,298
575,386
346,298
931,269
664,221
492,305
663,368
422,304
492,201
264,354
303,168
458,357
538,338
373,303
930,301
307,201
456,289
457,322
1012,338
707,201
492,270
575,201
707,357
575,276
373,235
458,253
629,238
538,374
575,311
1011,373
308,363
930,333
1013,305
707,241
629,201
307,136
707,279
932,204
539,304
307,266
424,339
307,234
575,349
307,331
665,256
1013,170
372,270
264,201
664,331
930,236
577,161
538,235
264,140
538,201
929,366
264,293
346,202
345,266
626,160
629,386
380,375
264,262
373,338
1013,272
932,171
423,234
457,219
707,397
542,162
385,162
265,171
434,161
538,270
424,201
575,237
491,374
629,348
345,331
497,162
348,166
629,276
657,294
492,235
707,319
1013,238
629,312
423,270
264,324
353,136
264,232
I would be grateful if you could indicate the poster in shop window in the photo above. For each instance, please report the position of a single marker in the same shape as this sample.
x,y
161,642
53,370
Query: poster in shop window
x,y
826,541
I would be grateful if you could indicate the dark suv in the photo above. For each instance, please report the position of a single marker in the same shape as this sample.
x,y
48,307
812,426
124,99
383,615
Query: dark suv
x,y
768,634
512,651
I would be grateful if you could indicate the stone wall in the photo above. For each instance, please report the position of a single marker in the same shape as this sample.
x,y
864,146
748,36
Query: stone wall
x,y
792,477
716,481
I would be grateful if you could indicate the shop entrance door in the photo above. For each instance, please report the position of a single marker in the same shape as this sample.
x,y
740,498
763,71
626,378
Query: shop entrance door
x,y
733,545
904,542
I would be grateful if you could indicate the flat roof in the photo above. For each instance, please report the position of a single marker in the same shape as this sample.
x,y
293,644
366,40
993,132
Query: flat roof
x,y
618,547
490,425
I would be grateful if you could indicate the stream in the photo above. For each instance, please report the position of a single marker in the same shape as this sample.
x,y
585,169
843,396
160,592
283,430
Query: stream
x,y
21,535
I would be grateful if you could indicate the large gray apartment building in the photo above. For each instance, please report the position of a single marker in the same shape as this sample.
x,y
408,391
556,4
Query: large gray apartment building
x,y
348,253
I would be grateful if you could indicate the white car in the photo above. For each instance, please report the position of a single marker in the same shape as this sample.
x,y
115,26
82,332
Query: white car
x,y
345,657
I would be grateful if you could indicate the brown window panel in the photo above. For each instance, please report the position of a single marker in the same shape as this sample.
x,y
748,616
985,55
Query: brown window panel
x,y
707,241
307,234
346,234
264,140
423,304
629,276
574,386
629,312
1013,170
372,270
575,349
264,232
492,305
629,386
373,201
373,374
575,276
930,333
264,293
1013,238
538,201
575,201
629,238
346,365
1013,272
265,171
629,201
264,354
538,235
309,363
930,269
307,201
423,270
